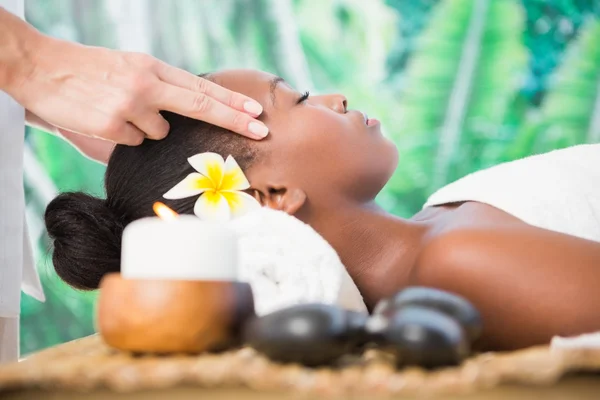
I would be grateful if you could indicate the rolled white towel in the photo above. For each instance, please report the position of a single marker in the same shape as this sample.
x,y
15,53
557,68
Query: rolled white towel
x,y
585,341
287,262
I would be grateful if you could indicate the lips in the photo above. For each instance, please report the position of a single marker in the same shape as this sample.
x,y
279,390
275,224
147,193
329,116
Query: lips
x,y
372,121
365,117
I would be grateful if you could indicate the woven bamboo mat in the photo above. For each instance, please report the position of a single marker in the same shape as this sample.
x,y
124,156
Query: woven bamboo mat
x,y
87,364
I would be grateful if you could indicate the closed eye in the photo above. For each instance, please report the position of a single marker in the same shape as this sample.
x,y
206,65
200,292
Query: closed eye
x,y
303,97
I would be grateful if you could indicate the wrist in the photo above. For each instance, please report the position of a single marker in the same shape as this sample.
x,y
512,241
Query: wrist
x,y
18,45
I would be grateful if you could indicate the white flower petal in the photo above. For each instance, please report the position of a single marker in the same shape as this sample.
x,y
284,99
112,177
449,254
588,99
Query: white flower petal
x,y
210,165
240,203
234,178
191,185
212,206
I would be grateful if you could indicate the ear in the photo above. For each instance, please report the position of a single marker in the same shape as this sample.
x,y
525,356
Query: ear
x,y
282,198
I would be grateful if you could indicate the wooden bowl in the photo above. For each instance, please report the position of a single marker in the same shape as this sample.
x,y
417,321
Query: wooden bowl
x,y
171,316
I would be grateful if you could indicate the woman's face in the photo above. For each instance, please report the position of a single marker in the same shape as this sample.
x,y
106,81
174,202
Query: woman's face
x,y
318,145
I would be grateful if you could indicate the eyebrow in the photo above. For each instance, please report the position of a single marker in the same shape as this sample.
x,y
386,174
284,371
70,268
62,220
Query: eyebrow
x,y
273,85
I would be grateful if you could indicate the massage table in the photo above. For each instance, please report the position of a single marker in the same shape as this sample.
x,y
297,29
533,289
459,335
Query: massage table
x,y
88,369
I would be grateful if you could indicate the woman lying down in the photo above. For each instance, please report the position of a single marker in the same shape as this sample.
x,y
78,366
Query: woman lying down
x,y
520,240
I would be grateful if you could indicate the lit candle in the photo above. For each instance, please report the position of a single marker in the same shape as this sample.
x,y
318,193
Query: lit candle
x,y
177,290
182,247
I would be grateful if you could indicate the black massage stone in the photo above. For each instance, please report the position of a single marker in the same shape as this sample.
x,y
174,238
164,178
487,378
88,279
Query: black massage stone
x,y
309,334
450,304
420,336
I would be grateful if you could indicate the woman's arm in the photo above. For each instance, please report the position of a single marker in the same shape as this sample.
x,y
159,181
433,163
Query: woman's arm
x,y
111,94
529,283
95,149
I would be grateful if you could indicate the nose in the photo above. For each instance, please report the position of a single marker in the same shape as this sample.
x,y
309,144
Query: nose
x,y
339,103
336,102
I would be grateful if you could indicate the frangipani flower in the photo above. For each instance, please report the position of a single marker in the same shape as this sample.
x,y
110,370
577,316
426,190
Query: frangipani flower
x,y
219,184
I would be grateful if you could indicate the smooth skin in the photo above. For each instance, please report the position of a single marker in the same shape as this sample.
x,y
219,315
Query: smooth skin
x,y
116,96
324,165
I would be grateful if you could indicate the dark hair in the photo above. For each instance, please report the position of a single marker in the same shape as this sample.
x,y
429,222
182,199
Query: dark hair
x,y
86,231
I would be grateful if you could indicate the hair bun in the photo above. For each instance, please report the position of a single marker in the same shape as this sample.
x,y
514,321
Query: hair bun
x,y
87,239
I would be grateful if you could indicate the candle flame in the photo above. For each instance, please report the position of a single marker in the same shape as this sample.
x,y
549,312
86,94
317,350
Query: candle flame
x,y
164,212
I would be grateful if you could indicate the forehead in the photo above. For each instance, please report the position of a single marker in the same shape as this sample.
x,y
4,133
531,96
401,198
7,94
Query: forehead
x,y
252,83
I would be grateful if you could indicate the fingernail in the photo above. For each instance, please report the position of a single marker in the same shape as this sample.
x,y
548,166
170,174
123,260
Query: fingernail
x,y
253,107
258,129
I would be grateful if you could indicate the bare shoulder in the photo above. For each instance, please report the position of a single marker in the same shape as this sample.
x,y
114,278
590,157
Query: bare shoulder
x,y
444,253
484,253
463,234
518,276
479,238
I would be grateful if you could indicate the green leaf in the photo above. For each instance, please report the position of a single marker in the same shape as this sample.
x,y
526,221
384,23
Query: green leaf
x,y
570,113
66,166
458,88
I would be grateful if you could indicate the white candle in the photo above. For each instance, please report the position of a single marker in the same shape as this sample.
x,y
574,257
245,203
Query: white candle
x,y
183,248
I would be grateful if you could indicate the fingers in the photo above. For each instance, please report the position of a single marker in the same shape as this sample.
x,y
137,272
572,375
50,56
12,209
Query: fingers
x,y
203,107
198,86
95,123
186,80
128,134
116,130
153,125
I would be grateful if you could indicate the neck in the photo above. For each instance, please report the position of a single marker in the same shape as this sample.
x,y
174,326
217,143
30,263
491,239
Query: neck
x,y
378,249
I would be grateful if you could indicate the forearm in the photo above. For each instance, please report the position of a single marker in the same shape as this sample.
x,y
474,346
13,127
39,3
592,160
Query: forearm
x,y
18,42
95,149
17,45
36,122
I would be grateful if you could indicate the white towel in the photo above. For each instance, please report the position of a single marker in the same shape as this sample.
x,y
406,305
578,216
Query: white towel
x,y
558,191
585,341
287,262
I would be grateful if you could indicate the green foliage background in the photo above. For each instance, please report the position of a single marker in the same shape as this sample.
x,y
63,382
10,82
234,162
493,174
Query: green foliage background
x,y
460,85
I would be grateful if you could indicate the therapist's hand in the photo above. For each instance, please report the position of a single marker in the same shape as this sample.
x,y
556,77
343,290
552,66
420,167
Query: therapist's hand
x,y
117,95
